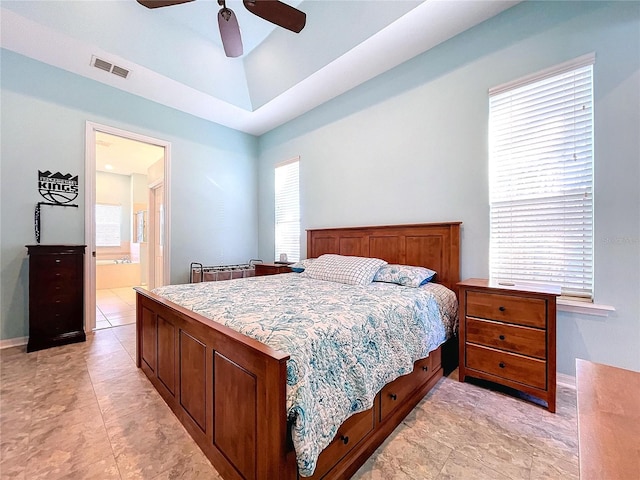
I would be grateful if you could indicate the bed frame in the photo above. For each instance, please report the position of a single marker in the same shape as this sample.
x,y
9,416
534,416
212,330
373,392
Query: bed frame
x,y
229,391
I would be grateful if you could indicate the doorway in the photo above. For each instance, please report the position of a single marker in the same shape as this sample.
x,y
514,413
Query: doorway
x,y
126,222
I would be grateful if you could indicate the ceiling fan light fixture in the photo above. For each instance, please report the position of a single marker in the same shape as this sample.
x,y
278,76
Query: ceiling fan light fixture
x,y
274,11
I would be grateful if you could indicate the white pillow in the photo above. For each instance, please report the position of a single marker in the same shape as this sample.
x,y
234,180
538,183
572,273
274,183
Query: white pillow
x,y
343,269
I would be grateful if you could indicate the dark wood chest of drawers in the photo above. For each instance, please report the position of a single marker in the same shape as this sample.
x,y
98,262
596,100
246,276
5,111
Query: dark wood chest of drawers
x,y
508,336
56,295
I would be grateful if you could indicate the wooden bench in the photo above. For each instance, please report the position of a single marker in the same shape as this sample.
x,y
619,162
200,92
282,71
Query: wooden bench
x,y
608,421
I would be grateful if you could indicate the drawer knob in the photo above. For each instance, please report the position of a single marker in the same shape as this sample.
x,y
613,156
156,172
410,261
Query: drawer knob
x,y
501,308
425,368
344,439
501,365
393,396
501,337
57,260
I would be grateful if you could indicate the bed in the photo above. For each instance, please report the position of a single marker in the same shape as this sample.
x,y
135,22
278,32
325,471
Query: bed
x,y
230,391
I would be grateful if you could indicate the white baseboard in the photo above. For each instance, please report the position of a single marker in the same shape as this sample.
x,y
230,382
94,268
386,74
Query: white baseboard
x,y
564,380
13,342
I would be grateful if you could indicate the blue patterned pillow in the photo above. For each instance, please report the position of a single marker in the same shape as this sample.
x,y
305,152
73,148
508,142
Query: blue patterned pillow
x,y
406,275
343,269
300,266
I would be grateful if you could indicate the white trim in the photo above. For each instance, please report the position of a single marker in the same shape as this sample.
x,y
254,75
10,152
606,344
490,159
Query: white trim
x,y
13,342
287,162
586,308
564,380
89,226
90,178
583,61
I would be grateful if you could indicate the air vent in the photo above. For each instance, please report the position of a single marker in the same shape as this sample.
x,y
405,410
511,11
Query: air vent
x,y
109,67
121,72
102,65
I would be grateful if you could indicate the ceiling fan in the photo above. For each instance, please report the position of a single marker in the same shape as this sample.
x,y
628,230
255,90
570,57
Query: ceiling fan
x,y
273,11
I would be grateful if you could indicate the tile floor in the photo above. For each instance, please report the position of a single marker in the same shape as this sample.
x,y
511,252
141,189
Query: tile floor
x,y
84,411
115,307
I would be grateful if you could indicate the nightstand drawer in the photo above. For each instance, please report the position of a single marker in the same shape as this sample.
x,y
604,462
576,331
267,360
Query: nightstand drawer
x,y
517,339
507,308
528,371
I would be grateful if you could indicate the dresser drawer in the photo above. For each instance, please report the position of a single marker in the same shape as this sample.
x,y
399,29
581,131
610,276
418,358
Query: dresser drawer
x,y
395,393
55,290
517,339
60,301
525,370
56,319
507,308
61,274
354,429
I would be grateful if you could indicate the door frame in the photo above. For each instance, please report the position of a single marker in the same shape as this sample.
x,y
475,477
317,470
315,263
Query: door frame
x,y
89,214
151,252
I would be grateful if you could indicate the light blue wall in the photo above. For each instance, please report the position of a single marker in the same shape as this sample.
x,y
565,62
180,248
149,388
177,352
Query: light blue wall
x,y
43,118
411,146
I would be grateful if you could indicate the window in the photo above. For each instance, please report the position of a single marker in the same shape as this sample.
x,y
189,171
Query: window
x,y
288,210
108,225
541,178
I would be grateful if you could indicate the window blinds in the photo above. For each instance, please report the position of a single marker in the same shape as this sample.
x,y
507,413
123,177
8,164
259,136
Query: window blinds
x,y
288,210
108,220
541,181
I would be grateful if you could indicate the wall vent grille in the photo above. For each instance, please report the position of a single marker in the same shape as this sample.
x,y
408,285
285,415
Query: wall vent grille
x,y
121,72
109,67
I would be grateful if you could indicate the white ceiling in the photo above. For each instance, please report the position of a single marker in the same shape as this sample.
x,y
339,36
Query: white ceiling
x,y
124,156
176,59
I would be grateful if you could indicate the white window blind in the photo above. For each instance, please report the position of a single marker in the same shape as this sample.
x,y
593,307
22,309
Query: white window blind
x,y
288,210
541,181
108,225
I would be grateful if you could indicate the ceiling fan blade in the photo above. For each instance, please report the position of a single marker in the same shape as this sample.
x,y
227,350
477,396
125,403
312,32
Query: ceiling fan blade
x,y
161,3
279,13
230,32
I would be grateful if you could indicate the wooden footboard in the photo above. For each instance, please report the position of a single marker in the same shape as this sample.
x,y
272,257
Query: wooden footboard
x,y
227,389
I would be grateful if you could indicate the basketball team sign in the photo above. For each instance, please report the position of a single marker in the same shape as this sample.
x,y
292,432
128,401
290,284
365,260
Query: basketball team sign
x,y
57,188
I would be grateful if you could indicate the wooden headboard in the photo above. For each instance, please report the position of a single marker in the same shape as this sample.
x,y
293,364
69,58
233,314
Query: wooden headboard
x,y
432,245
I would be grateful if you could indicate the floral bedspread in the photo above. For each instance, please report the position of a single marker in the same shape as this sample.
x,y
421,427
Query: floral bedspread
x,y
345,341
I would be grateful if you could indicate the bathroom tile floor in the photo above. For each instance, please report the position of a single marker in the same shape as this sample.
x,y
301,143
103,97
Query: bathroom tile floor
x,y
84,411
115,307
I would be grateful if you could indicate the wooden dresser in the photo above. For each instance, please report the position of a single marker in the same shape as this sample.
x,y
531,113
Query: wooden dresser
x,y
56,295
608,421
508,335
271,269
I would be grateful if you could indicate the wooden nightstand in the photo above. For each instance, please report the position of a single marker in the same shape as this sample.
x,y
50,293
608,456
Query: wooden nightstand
x,y
271,269
508,335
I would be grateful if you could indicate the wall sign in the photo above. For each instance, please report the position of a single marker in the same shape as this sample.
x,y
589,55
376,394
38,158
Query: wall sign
x,y
59,190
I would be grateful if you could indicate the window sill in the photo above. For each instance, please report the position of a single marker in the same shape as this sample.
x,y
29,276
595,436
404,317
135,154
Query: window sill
x,y
585,308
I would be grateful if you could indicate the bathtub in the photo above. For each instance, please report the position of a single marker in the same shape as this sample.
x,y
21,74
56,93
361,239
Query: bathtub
x,y
110,274
105,262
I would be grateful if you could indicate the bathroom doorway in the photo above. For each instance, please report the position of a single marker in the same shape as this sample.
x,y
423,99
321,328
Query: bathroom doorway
x,y
126,225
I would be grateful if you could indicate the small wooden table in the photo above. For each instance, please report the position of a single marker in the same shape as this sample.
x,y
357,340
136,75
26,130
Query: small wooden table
x,y
608,421
272,268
